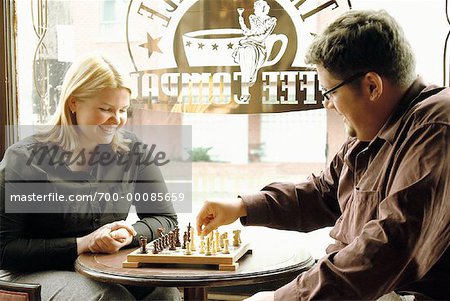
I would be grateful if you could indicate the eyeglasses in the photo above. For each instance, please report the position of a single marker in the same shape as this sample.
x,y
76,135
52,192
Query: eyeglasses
x,y
327,93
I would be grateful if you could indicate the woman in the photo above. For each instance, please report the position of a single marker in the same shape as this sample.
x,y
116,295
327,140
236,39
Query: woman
x,y
251,53
68,159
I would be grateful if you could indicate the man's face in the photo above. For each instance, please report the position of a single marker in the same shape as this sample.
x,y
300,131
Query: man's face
x,y
347,102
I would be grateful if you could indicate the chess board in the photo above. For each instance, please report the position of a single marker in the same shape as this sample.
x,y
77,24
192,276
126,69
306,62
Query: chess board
x,y
225,262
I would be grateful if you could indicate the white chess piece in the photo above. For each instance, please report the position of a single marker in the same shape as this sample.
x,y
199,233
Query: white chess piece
x,y
188,249
208,247
225,247
193,248
202,247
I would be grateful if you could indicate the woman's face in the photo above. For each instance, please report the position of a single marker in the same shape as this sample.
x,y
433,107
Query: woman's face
x,y
99,117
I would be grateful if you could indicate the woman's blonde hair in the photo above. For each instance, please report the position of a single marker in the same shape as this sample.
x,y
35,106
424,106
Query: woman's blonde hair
x,y
84,79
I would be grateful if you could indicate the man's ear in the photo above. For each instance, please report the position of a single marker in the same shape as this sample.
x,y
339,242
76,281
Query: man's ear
x,y
374,85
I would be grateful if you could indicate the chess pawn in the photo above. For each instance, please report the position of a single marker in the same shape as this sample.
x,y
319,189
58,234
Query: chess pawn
x,y
202,247
166,240
155,248
236,238
185,239
225,247
143,244
160,232
193,248
208,247
158,245
188,248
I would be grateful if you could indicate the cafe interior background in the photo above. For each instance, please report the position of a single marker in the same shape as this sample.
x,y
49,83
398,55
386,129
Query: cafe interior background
x,y
237,146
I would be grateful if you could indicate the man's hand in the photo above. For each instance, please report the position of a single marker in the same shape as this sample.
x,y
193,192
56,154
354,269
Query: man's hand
x,y
262,296
216,213
107,239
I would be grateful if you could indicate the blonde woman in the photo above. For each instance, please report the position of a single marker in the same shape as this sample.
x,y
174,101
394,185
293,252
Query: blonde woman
x,y
66,159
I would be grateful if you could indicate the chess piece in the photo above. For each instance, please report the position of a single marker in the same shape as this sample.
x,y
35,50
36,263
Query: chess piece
x,y
160,232
225,247
177,237
208,247
189,231
185,239
218,248
155,248
213,247
222,239
193,248
202,247
143,244
158,245
237,238
172,241
166,240
188,248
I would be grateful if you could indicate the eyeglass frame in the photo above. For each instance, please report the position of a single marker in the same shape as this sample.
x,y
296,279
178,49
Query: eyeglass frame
x,y
344,82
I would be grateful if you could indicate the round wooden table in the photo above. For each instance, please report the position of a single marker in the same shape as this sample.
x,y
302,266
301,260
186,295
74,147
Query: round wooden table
x,y
283,258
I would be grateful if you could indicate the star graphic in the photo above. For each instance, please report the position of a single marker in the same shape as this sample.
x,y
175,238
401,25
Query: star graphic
x,y
151,45
201,45
230,45
188,43
215,46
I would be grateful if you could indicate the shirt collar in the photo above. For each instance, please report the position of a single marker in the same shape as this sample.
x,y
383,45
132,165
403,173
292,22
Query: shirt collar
x,y
391,126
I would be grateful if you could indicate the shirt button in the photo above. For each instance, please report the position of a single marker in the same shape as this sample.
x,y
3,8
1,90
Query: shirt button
x,y
96,219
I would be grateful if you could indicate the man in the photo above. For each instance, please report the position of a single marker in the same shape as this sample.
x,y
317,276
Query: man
x,y
387,191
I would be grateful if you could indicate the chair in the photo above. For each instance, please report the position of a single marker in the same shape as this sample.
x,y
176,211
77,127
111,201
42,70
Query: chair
x,y
11,291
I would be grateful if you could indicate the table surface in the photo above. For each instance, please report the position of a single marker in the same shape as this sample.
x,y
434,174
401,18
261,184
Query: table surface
x,y
282,258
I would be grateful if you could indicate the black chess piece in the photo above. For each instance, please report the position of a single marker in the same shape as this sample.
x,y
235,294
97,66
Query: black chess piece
x,y
159,245
155,248
185,239
160,232
177,237
143,244
172,242
189,232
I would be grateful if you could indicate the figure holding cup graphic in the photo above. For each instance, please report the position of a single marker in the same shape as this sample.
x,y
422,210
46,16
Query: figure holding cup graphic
x,y
251,53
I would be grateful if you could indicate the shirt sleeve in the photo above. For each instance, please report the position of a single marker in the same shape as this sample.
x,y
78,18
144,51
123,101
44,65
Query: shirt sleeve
x,y
17,252
408,237
306,206
152,214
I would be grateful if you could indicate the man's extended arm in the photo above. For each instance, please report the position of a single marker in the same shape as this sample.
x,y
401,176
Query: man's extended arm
x,y
409,235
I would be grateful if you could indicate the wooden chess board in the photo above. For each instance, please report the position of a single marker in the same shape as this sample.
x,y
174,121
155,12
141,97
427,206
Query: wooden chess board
x,y
225,262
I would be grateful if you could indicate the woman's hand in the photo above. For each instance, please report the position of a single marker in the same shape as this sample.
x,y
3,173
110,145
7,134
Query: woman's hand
x,y
107,239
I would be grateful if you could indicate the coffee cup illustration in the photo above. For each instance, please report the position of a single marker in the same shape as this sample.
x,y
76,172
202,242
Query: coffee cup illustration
x,y
215,47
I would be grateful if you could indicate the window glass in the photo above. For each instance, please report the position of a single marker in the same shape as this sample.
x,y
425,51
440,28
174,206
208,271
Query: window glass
x,y
233,153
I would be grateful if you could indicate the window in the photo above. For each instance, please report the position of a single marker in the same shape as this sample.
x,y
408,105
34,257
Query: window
x,y
234,151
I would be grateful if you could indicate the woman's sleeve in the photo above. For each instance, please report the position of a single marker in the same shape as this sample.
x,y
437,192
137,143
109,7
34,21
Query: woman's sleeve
x,y
17,252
